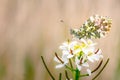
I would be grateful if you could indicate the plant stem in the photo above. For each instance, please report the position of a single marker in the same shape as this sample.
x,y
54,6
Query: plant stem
x,y
60,76
70,63
77,74
47,68
66,74
70,68
101,69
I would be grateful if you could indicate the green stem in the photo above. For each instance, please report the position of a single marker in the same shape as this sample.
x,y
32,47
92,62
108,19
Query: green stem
x,y
77,74
83,75
70,63
47,68
101,69
60,76
70,68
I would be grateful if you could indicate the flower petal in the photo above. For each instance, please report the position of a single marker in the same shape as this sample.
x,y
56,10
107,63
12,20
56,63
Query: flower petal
x,y
90,59
85,64
70,56
59,66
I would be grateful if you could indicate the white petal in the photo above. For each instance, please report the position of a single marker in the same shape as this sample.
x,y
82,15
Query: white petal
x,y
65,44
70,56
59,66
65,52
64,56
90,59
85,64
72,44
89,72
63,47
77,61
95,57
85,50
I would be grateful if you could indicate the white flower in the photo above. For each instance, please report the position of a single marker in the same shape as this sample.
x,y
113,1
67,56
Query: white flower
x,y
81,52
90,52
95,56
67,48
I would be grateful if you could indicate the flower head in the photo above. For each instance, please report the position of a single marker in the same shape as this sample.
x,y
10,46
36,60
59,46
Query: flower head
x,y
81,52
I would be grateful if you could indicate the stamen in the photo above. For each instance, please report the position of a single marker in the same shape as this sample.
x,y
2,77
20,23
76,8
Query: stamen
x,y
59,58
81,60
97,51
71,52
68,40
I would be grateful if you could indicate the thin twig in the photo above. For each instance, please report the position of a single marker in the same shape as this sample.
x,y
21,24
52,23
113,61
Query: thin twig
x,y
66,74
101,69
47,68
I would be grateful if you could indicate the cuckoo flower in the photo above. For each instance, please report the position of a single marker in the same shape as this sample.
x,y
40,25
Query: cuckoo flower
x,y
80,52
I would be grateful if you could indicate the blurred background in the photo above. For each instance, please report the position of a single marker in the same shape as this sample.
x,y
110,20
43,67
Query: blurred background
x,y
32,28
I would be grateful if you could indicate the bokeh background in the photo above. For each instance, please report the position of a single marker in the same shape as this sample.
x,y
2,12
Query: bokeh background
x,y
32,28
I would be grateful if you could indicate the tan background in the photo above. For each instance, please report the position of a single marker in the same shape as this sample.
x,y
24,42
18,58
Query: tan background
x,y
33,28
